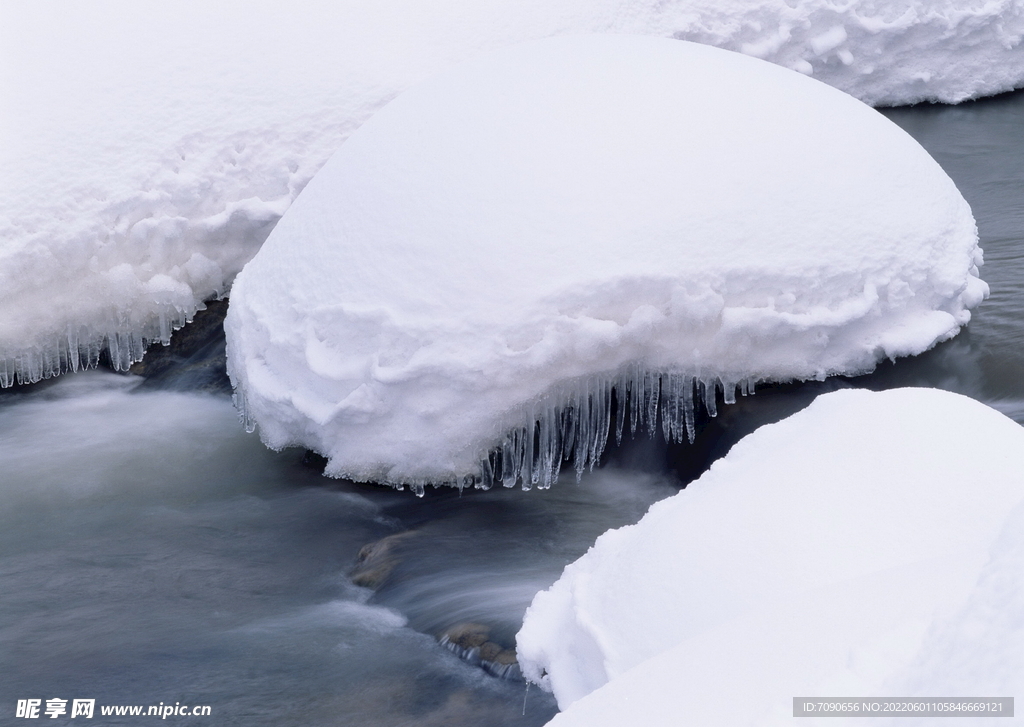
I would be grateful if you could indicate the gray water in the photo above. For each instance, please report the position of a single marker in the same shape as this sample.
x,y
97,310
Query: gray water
x,y
981,146
153,552
150,551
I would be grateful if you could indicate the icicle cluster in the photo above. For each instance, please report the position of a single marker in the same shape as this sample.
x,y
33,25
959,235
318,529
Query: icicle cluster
x,y
575,426
80,348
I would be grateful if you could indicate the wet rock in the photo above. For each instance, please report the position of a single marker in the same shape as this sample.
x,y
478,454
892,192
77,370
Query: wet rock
x,y
378,559
466,636
472,642
468,640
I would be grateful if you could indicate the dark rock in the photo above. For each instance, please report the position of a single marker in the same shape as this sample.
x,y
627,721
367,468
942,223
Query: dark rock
x,y
314,460
195,359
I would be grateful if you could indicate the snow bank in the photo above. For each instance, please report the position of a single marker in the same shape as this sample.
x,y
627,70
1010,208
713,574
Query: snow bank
x,y
980,649
496,250
835,553
146,149
884,52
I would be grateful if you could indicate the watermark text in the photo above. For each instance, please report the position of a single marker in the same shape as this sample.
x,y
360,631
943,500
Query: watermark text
x,y
87,709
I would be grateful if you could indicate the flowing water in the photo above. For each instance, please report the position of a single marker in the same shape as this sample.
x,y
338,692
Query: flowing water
x,y
151,552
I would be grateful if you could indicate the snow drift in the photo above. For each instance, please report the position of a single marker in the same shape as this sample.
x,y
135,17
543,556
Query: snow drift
x,y
495,251
841,551
146,149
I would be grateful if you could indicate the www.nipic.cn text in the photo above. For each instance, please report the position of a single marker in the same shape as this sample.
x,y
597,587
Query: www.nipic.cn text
x,y
86,708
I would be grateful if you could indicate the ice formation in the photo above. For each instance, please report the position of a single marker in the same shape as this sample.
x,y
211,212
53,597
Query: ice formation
x,y
868,545
498,249
147,149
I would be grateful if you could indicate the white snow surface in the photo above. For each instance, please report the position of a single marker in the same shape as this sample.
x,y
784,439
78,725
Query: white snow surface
x,y
868,546
520,234
147,148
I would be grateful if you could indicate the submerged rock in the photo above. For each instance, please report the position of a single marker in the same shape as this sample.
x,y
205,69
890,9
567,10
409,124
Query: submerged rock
x,y
472,642
377,560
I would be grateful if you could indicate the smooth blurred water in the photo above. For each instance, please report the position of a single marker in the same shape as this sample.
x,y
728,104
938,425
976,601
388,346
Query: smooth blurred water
x,y
151,552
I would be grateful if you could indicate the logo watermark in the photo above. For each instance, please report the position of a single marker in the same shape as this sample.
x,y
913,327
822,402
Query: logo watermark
x,y
87,709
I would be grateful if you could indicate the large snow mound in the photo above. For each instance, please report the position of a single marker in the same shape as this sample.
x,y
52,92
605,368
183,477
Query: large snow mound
x,y
499,248
147,148
853,549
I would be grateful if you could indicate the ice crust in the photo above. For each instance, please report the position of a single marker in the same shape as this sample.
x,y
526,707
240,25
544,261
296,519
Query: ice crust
x,y
869,545
146,149
498,249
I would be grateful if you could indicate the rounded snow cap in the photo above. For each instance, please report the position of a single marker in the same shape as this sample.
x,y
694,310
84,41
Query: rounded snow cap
x,y
458,293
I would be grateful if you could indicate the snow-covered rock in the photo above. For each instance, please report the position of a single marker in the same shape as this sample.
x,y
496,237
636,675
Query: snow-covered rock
x,y
498,248
853,549
147,148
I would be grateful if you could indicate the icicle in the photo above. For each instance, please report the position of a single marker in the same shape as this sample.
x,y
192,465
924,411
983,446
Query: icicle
x,y
569,425
94,354
486,480
550,452
729,392
583,434
684,407
165,328
507,478
691,425
558,447
244,412
620,408
518,455
636,399
137,349
594,421
529,465
709,394
667,399
603,423
576,425
114,349
32,367
653,387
